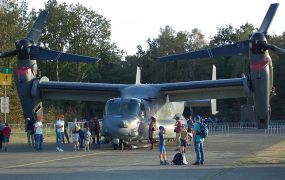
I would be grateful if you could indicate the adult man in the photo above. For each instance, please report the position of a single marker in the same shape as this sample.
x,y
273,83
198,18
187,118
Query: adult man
x,y
38,134
97,129
152,128
30,132
178,129
59,132
65,131
198,141
189,124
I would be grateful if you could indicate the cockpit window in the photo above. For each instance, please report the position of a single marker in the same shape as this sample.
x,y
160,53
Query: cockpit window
x,y
122,108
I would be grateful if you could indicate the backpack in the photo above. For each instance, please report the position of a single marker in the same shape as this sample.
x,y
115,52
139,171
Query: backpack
x,y
177,159
204,131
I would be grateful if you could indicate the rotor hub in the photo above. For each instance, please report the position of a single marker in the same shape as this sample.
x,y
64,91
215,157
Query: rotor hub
x,y
258,41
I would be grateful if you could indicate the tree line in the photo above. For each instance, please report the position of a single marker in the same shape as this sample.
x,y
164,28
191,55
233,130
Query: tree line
x,y
81,30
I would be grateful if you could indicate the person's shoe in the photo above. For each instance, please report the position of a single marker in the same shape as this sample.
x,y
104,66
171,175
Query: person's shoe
x,y
161,163
166,163
60,150
57,148
196,163
202,163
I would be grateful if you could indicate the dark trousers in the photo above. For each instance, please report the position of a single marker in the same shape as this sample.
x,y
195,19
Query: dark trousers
x,y
1,139
66,136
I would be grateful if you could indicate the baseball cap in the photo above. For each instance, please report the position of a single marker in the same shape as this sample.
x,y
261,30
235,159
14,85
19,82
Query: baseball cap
x,y
40,117
197,118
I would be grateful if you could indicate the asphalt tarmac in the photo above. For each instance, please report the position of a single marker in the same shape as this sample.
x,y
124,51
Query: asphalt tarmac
x,y
222,153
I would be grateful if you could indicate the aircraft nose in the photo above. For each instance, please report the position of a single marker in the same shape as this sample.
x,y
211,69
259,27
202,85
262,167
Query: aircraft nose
x,y
122,127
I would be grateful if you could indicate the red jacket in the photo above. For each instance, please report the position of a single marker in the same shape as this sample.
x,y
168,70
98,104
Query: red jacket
x,y
7,131
97,125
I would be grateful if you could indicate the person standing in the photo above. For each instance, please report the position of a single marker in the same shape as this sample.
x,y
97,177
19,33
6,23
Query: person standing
x,y
30,129
59,132
1,133
97,129
38,129
65,131
6,136
177,130
190,124
75,127
198,141
92,129
87,139
183,140
162,150
152,128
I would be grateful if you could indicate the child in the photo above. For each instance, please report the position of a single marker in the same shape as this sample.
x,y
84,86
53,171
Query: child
x,y
6,136
183,140
162,150
88,137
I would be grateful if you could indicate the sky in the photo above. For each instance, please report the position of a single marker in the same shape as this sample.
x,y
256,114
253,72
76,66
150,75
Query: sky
x,y
134,21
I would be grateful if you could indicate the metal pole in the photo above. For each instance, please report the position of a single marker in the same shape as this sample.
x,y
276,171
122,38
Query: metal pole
x,y
5,101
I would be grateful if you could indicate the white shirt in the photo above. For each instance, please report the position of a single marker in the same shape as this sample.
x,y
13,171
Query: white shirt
x,y
59,125
38,127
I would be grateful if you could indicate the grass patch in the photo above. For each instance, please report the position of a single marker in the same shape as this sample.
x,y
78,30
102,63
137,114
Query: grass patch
x,y
272,155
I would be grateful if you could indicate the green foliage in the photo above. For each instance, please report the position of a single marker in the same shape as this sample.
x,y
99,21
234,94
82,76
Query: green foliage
x,y
77,29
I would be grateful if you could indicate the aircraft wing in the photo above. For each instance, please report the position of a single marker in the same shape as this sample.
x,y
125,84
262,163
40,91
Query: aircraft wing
x,y
208,89
100,92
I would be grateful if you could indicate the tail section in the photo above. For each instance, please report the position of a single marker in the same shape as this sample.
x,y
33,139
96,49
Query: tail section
x,y
206,102
138,75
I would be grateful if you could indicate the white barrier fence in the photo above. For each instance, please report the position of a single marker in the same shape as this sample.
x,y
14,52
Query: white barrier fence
x,y
214,129
48,128
276,129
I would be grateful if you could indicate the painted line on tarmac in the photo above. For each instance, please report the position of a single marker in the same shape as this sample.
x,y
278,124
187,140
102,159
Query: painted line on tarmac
x,y
52,160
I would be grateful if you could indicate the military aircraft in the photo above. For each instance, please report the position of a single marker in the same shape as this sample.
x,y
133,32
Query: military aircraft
x,y
260,78
129,106
140,100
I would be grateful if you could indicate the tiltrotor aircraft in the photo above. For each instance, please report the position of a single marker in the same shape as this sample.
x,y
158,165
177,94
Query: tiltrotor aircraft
x,y
260,78
129,106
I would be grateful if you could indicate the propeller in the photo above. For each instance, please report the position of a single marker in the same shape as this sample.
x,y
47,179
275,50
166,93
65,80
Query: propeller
x,y
268,18
26,48
238,48
257,43
40,53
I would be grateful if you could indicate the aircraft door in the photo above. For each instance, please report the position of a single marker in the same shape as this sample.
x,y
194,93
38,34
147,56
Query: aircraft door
x,y
143,121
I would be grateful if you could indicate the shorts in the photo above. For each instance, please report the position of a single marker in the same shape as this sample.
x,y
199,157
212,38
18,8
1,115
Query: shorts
x,y
87,142
183,142
6,139
75,137
162,149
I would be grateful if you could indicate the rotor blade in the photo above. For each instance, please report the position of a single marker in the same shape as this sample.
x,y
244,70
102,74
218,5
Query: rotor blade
x,y
238,48
275,48
8,53
268,18
39,53
36,31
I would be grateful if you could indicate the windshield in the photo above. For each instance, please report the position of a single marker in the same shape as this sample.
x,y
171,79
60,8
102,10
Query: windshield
x,y
122,108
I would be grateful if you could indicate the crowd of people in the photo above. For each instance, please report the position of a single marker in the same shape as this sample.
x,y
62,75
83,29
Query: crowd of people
x,y
185,133
88,133
82,135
